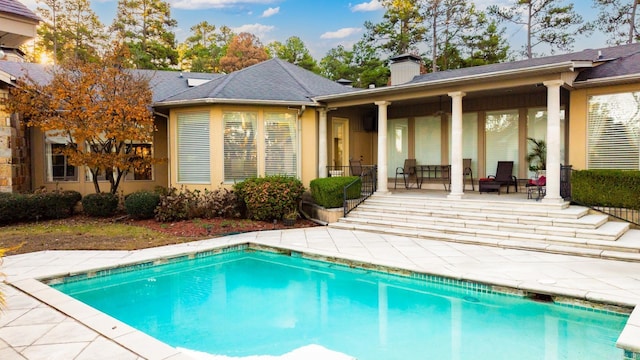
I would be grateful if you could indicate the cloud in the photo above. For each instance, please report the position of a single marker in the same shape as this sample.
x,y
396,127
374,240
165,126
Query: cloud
x,y
258,30
340,34
372,5
270,12
215,4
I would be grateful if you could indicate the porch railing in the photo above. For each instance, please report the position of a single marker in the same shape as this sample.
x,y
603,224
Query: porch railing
x,y
369,181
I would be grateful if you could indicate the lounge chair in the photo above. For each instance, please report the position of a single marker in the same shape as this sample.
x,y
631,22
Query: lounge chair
x,y
503,177
407,172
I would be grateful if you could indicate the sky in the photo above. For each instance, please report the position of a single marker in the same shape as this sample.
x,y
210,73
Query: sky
x,y
321,24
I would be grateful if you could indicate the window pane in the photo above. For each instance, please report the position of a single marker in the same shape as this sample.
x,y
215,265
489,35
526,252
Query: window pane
x,y
143,171
397,144
428,137
193,148
240,152
613,131
59,169
281,144
501,129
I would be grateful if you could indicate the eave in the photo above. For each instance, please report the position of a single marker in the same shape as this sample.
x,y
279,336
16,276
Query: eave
x,y
212,101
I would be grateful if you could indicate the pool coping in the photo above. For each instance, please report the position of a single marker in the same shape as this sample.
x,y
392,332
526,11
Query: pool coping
x,y
148,347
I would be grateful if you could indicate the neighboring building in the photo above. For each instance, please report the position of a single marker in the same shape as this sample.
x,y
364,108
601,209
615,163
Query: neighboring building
x,y
17,26
277,118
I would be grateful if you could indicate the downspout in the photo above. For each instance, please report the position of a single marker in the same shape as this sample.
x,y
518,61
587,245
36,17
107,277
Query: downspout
x,y
168,147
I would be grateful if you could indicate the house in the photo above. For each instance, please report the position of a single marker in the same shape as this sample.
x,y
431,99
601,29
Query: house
x,y
277,118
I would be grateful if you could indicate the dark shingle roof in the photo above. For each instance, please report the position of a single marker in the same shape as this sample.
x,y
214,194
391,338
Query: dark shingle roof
x,y
163,83
15,7
622,66
272,80
588,55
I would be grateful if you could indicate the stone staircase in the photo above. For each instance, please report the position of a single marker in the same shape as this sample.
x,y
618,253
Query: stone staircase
x,y
530,225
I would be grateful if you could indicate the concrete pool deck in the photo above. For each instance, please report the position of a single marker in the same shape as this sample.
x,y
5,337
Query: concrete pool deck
x,y
41,323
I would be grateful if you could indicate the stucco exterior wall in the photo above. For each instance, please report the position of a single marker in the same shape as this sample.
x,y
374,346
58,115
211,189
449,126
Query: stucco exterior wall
x,y
578,120
160,171
307,134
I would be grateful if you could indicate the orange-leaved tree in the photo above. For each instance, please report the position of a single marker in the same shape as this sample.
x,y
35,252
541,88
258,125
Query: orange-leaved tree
x,y
100,108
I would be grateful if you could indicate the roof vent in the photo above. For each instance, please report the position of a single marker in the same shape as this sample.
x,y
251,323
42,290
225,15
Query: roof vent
x,y
600,55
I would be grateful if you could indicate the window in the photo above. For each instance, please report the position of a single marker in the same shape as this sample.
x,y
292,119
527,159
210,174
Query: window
x,y
281,144
57,164
144,171
240,150
193,148
428,140
501,129
397,144
537,128
59,168
613,131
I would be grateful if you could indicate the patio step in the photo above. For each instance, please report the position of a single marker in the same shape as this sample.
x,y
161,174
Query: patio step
x,y
557,228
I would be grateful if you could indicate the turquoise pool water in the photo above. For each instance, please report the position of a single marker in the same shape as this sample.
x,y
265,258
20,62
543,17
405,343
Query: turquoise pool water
x,y
249,303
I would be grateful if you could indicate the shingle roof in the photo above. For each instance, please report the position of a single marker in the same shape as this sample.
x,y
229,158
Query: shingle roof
x,y
272,80
15,7
163,83
622,66
588,55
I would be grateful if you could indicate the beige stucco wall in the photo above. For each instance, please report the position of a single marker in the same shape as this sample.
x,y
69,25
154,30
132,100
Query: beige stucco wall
x,y
578,120
160,171
307,131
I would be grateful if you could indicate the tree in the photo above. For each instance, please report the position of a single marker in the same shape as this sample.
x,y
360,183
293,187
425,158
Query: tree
x,y
244,50
201,52
488,46
295,52
144,27
546,22
71,29
370,68
338,64
619,19
401,30
100,108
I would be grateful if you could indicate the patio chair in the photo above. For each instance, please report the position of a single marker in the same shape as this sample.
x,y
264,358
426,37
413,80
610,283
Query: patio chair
x,y
466,171
503,177
407,172
356,167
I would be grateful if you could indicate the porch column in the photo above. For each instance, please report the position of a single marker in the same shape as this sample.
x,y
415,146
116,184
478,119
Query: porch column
x,y
457,185
553,141
382,146
322,143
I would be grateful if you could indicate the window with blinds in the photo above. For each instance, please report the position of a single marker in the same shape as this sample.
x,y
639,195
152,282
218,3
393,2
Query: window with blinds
x,y
240,150
193,148
613,131
281,144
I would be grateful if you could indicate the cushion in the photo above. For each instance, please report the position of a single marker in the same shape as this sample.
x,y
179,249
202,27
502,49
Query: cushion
x,y
487,179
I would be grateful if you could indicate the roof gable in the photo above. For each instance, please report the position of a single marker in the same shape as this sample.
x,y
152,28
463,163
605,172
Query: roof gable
x,y
16,8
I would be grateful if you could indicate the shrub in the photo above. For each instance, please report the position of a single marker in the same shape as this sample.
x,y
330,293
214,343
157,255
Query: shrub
x,y
270,197
220,203
59,204
329,192
100,204
176,206
40,206
606,188
141,204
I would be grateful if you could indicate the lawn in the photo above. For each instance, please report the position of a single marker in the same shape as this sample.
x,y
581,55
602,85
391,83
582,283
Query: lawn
x,y
84,233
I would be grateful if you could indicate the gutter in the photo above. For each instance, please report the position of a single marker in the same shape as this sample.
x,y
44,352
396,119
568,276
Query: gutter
x,y
613,80
551,68
204,101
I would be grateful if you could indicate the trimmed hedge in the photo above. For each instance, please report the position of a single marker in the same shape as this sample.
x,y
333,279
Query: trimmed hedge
x,y
100,204
613,188
328,192
40,206
270,197
141,204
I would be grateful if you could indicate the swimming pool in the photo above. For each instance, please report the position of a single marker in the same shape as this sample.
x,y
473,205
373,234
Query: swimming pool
x,y
246,302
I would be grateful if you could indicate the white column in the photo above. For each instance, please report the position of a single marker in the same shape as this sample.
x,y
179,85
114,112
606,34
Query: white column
x,y
382,146
457,184
553,141
322,143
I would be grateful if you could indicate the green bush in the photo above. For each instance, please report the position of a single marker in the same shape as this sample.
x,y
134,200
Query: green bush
x,y
100,204
141,204
270,197
329,192
40,206
614,188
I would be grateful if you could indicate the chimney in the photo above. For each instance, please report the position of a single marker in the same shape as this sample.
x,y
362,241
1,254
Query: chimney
x,y
404,68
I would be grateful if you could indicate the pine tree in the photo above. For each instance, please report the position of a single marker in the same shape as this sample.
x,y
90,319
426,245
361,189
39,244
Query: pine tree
x,y
295,52
619,19
144,27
